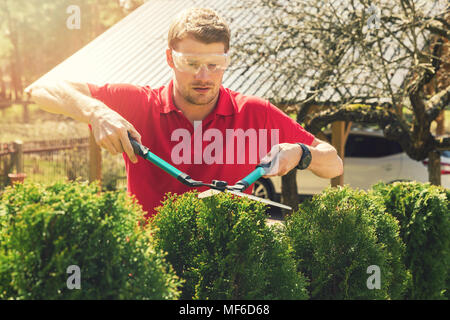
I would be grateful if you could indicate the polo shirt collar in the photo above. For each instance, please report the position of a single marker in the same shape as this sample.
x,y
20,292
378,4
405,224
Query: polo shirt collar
x,y
224,106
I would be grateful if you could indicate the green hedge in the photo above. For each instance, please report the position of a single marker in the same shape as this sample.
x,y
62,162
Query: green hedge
x,y
340,233
45,229
223,249
423,211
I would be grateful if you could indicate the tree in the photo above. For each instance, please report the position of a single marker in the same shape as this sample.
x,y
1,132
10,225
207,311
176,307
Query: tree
x,y
361,61
38,36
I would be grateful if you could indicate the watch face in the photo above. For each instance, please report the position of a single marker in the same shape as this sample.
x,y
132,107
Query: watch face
x,y
306,158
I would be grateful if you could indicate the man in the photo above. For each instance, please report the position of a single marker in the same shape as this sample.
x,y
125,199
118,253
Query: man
x,y
193,103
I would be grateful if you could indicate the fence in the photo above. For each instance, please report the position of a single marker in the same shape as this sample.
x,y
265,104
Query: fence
x,y
55,160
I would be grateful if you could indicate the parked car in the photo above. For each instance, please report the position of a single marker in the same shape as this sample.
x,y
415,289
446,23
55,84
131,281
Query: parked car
x,y
369,158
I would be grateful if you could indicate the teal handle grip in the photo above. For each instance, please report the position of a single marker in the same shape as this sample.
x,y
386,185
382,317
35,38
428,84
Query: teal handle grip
x,y
174,172
254,175
145,153
261,170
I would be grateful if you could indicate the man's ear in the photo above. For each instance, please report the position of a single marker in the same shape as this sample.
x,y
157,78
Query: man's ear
x,y
169,58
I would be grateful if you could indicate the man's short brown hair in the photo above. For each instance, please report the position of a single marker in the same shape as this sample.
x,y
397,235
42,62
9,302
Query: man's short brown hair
x,y
202,24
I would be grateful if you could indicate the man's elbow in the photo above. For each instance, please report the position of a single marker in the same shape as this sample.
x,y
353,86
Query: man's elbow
x,y
339,167
36,93
328,164
40,90
336,168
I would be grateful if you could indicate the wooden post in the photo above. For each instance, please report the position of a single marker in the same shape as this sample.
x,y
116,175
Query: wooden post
x,y
434,168
440,124
17,159
338,131
18,155
95,160
6,166
289,195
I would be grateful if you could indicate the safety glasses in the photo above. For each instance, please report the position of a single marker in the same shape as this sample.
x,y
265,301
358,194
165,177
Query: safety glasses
x,y
193,63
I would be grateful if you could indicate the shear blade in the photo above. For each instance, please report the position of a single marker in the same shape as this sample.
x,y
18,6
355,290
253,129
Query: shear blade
x,y
211,192
208,193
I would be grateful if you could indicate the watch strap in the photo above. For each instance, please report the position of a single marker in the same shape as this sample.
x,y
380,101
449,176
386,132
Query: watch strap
x,y
306,158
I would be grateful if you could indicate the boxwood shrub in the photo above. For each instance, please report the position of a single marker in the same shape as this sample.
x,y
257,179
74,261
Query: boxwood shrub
x,y
337,235
423,211
46,229
223,249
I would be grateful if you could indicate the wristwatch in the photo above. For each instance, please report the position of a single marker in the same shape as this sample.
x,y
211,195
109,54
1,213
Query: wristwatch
x,y
306,158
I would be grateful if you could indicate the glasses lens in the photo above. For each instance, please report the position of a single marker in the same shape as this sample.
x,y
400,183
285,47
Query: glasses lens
x,y
193,63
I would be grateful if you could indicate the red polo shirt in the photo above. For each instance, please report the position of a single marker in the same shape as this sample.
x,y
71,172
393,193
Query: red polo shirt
x,y
163,127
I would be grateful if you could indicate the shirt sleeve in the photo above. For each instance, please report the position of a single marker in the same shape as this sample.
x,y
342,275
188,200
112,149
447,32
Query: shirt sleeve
x,y
122,98
289,130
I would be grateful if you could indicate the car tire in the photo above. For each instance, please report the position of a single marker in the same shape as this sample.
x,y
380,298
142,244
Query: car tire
x,y
263,188
399,180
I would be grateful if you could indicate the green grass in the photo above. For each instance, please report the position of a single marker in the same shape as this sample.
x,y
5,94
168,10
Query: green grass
x,y
15,114
59,167
42,125
51,168
41,170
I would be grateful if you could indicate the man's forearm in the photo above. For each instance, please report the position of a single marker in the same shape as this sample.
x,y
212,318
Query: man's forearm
x,y
74,100
325,161
71,99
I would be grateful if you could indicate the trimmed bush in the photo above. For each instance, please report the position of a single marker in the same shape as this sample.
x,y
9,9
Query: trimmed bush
x,y
423,211
337,235
46,229
223,249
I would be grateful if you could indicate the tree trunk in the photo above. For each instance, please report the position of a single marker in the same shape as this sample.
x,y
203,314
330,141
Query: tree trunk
x,y
16,73
2,85
338,142
289,193
95,160
434,168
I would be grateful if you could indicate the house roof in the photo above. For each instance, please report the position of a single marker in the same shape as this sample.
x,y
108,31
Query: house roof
x,y
133,50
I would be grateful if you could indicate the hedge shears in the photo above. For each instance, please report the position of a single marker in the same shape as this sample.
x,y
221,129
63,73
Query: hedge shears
x,y
216,186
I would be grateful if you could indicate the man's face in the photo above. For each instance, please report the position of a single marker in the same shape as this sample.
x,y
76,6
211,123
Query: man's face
x,y
200,88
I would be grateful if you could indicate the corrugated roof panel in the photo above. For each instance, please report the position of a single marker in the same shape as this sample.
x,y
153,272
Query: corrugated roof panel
x,y
133,51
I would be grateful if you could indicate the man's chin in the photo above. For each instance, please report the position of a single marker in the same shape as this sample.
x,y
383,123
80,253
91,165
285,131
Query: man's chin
x,y
200,100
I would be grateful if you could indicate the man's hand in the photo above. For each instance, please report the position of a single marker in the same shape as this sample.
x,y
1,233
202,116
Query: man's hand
x,y
284,157
74,100
111,132
325,161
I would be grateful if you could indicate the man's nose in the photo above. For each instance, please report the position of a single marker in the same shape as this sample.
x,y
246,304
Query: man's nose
x,y
203,73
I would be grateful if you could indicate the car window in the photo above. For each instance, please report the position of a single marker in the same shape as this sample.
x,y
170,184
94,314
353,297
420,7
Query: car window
x,y
446,153
363,146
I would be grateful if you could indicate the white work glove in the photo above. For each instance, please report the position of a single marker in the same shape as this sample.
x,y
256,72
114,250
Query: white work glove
x,y
283,157
110,130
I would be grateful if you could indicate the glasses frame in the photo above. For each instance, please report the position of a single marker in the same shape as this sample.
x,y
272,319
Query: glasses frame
x,y
176,54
